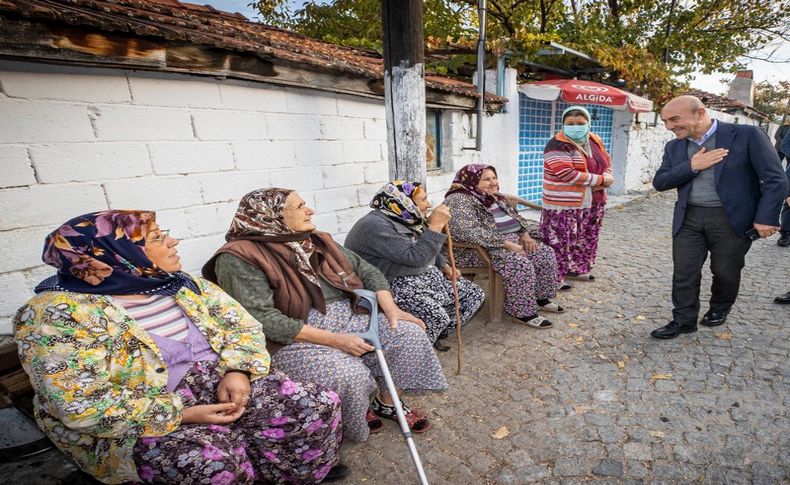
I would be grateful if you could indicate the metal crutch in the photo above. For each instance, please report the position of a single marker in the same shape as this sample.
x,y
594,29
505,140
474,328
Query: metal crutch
x,y
368,300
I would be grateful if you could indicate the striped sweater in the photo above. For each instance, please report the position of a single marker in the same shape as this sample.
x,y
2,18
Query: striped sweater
x,y
566,179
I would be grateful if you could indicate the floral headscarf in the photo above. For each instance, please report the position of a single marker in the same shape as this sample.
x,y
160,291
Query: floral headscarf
x,y
260,218
467,179
103,253
396,201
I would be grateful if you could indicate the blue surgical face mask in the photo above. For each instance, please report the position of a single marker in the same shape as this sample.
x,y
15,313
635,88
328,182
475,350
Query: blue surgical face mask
x,y
576,132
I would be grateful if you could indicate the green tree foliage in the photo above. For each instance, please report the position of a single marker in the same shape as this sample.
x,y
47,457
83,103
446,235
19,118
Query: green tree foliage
x,y
773,98
648,43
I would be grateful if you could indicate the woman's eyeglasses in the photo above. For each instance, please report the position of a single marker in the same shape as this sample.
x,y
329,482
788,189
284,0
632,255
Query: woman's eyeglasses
x,y
161,237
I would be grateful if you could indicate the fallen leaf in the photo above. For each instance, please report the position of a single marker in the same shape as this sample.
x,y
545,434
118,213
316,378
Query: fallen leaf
x,y
500,433
580,339
657,434
603,357
660,377
573,325
640,317
620,364
581,409
724,336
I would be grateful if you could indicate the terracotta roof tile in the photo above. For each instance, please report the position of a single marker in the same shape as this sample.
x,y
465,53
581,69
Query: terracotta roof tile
x,y
725,104
204,25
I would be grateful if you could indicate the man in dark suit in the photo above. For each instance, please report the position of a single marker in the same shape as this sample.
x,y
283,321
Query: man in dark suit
x,y
730,187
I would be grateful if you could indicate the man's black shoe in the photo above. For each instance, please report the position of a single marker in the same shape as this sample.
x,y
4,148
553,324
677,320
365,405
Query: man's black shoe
x,y
672,330
783,241
783,299
714,318
336,473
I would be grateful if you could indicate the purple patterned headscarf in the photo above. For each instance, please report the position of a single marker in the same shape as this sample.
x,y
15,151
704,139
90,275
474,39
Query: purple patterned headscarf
x,y
396,201
467,179
104,253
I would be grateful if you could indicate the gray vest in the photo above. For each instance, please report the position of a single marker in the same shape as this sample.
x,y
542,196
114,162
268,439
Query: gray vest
x,y
703,186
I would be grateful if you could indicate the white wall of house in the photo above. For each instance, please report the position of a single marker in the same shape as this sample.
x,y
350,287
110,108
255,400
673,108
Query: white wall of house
x,y
76,140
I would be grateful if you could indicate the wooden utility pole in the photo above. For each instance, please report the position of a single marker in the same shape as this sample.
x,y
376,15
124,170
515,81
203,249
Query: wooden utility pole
x,y
404,88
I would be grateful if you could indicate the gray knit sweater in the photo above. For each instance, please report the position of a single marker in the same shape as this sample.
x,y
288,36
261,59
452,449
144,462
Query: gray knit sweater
x,y
393,248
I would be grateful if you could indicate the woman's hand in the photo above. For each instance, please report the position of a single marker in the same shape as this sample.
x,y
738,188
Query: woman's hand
x,y
222,413
449,271
530,245
607,180
511,246
439,218
393,312
234,388
350,344
394,315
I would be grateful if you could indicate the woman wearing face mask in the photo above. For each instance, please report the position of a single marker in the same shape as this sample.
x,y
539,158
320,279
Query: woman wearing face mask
x,y
481,215
405,246
143,373
576,172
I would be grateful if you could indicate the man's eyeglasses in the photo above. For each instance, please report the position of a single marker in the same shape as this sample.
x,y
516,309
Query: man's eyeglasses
x,y
161,237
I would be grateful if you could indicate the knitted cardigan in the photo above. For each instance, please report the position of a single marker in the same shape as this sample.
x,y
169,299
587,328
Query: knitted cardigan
x,y
565,174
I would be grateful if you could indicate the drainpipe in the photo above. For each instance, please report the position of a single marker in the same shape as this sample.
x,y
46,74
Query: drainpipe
x,y
500,78
481,73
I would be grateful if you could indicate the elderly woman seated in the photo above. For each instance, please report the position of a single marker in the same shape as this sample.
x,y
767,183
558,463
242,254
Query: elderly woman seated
x,y
481,215
299,283
142,373
406,247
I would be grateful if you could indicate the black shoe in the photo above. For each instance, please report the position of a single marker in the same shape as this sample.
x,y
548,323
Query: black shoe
x,y
337,472
672,330
440,345
783,299
714,318
783,241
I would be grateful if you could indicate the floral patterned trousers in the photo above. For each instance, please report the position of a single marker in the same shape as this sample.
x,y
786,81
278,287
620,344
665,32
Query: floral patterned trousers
x,y
573,233
289,433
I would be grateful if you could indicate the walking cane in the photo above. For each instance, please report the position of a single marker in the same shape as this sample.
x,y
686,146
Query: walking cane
x,y
368,300
454,282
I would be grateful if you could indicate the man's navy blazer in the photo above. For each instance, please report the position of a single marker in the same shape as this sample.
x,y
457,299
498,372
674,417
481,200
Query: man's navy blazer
x,y
750,181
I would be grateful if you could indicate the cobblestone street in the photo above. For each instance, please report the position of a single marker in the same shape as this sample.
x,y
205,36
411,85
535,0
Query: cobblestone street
x,y
596,399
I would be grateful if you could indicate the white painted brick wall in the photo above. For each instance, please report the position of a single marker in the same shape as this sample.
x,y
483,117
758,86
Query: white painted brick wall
x,y
229,186
40,205
258,155
311,153
82,162
28,121
191,157
153,193
240,95
151,89
188,148
294,127
15,166
140,123
341,128
97,85
22,247
306,101
230,125
343,176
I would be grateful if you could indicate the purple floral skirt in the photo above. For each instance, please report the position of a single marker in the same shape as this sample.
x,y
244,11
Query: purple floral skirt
x,y
290,433
573,234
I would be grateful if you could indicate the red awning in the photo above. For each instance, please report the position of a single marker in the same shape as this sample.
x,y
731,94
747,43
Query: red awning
x,y
575,91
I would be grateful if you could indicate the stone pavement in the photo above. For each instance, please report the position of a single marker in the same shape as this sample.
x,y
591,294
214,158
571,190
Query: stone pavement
x,y
595,398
